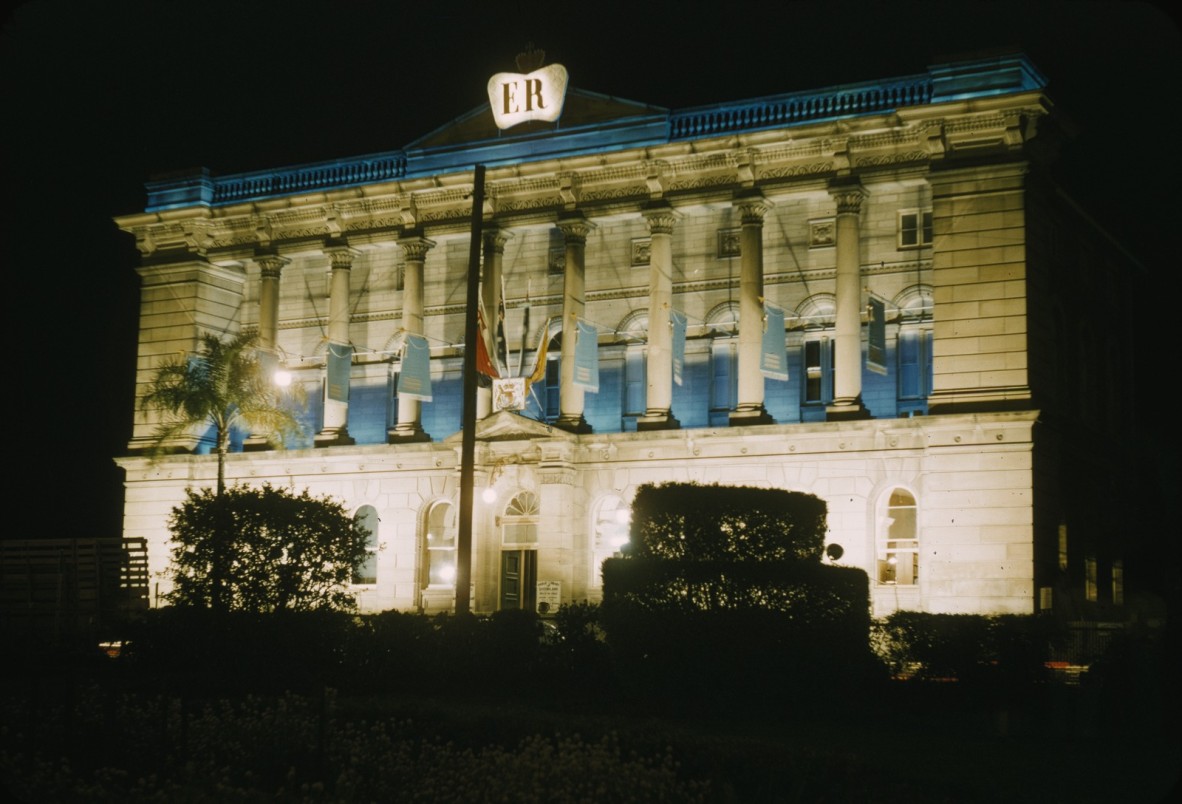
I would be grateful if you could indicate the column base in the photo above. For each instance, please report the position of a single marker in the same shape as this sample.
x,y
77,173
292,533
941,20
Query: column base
x,y
333,438
409,434
573,424
658,420
853,411
744,417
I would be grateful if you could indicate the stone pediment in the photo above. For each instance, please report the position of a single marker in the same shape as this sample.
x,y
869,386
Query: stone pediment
x,y
506,425
581,108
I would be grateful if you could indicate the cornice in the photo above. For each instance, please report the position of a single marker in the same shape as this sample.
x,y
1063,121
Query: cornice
x,y
554,187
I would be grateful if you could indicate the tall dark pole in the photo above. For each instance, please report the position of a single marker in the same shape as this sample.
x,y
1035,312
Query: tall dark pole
x,y
468,420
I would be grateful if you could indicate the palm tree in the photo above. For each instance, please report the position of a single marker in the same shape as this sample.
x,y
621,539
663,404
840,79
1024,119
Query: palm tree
x,y
222,385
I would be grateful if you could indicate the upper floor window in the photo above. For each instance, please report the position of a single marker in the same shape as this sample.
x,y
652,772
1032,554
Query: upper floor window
x,y
915,228
817,313
723,324
898,540
634,328
819,356
367,571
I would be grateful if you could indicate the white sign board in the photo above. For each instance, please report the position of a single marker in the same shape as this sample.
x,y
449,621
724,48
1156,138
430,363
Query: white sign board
x,y
549,596
517,98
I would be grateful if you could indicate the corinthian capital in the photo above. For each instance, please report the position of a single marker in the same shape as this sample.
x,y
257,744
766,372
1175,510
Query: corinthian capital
x,y
270,265
752,207
575,228
499,238
416,247
339,252
848,198
661,219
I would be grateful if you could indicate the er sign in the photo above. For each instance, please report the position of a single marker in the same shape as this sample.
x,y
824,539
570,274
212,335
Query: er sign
x,y
516,98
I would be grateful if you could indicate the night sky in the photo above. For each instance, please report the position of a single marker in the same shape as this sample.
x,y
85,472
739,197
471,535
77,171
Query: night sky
x,y
99,96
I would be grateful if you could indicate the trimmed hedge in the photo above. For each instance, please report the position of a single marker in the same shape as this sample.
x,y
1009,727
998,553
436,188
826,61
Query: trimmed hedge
x,y
687,521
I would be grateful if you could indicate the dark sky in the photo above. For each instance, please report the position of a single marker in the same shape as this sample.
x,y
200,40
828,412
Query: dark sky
x,y
99,96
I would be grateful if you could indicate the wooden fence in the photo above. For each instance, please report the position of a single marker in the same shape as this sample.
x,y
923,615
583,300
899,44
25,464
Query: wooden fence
x,y
59,589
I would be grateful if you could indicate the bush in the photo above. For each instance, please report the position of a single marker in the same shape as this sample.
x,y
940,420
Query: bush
x,y
968,647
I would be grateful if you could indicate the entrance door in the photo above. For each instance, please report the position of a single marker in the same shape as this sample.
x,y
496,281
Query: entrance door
x,y
519,579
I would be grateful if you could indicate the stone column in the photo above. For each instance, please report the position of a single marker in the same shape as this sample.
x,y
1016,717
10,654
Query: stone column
x,y
490,297
749,408
410,423
335,431
270,267
847,361
659,393
570,396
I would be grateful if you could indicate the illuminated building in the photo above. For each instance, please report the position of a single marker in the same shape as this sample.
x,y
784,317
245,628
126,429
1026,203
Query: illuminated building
x,y
945,387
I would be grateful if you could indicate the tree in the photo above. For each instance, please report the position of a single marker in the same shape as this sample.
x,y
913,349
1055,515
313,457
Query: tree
x,y
222,385
264,550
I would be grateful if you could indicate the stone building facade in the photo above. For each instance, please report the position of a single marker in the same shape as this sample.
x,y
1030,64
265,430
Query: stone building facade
x,y
939,375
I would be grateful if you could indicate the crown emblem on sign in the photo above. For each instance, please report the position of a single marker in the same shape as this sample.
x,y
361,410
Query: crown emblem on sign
x,y
531,59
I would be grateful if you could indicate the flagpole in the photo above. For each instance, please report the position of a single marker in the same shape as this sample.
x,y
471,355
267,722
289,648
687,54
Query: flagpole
x,y
468,420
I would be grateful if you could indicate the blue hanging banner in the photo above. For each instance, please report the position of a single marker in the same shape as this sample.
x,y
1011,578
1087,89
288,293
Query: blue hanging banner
x,y
340,363
773,357
587,356
876,349
414,379
677,320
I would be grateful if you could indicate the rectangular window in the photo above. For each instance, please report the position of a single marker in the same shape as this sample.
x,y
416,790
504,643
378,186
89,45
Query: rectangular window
x,y
1090,579
635,381
914,352
818,371
915,228
724,374
551,391
1118,582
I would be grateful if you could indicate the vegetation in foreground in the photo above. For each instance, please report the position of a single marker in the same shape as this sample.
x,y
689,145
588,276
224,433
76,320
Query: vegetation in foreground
x,y
320,706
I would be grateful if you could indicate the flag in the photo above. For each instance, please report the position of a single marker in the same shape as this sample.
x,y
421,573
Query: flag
x,y
586,356
539,372
524,331
414,380
340,363
677,320
484,364
773,358
502,345
876,349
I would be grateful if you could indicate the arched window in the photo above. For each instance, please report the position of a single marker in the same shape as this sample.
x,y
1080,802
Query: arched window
x,y
519,524
634,328
914,349
898,540
722,323
439,546
610,522
367,571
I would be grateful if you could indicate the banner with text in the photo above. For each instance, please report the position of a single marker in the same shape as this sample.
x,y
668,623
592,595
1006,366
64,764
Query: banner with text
x,y
773,357
340,364
587,356
414,380
677,319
